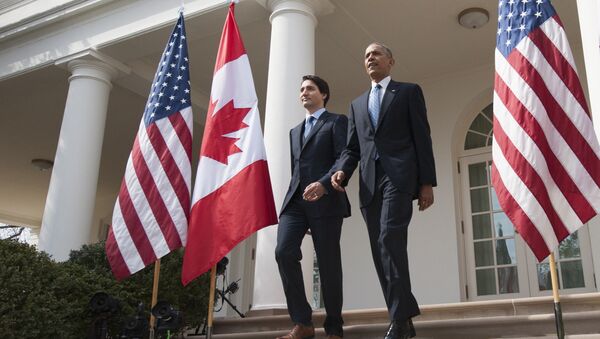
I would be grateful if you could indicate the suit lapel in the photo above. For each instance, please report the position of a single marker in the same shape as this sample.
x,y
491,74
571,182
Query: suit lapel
x,y
388,97
318,124
297,140
363,104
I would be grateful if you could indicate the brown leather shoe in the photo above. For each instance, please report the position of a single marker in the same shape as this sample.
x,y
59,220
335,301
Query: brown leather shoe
x,y
300,332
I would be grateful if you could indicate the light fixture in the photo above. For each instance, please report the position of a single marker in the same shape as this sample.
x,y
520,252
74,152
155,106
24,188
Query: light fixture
x,y
473,17
42,164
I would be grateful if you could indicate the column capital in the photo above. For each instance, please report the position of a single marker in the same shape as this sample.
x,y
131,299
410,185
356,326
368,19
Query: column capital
x,y
93,64
311,8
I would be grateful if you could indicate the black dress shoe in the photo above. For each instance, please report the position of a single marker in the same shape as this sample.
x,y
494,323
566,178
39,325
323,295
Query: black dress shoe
x,y
400,330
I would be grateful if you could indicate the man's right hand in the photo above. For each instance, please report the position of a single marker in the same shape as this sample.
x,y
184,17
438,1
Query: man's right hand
x,y
336,180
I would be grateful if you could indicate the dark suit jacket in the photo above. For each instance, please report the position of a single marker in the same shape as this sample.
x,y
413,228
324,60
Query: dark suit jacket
x,y
314,160
402,141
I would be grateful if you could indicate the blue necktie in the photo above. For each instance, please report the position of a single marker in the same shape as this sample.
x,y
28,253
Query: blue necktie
x,y
374,104
308,126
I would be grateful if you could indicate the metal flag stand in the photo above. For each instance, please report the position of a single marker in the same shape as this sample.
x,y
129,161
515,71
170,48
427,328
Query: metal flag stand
x,y
560,330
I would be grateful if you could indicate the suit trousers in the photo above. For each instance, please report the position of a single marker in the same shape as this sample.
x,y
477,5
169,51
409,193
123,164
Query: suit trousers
x,y
387,218
326,231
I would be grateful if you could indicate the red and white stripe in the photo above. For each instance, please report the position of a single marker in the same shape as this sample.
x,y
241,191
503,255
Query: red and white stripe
x,y
151,214
546,157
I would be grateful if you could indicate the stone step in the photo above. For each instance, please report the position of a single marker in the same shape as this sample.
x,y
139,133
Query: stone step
x,y
516,318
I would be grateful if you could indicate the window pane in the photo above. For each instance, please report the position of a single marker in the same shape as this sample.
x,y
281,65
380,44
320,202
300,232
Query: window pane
x,y
544,278
480,201
505,252
503,226
488,111
572,274
484,255
569,248
482,226
474,140
481,124
316,302
508,280
495,203
477,175
485,282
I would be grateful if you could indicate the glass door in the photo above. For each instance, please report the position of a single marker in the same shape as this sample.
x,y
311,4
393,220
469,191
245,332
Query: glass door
x,y
496,258
499,263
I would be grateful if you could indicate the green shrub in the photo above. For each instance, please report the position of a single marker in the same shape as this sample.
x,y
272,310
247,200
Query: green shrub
x,y
40,298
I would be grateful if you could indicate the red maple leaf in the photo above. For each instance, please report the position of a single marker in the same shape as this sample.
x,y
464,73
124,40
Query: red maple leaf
x,y
228,119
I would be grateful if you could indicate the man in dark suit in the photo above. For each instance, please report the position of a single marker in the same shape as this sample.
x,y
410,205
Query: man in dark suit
x,y
389,134
312,204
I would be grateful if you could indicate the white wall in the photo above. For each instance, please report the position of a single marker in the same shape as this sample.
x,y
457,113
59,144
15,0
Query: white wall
x,y
589,16
436,263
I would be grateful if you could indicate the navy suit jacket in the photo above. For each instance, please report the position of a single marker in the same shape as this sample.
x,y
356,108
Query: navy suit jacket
x,y
401,140
314,159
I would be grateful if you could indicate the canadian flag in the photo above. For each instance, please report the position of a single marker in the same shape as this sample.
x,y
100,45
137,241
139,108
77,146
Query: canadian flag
x,y
232,195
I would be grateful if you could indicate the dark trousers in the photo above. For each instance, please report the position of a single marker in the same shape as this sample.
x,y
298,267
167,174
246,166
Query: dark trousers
x,y
326,232
387,218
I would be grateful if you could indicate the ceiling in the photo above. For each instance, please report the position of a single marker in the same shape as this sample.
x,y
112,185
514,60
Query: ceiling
x,y
424,34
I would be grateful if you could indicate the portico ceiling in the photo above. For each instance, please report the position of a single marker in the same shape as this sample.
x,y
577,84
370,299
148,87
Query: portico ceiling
x,y
424,34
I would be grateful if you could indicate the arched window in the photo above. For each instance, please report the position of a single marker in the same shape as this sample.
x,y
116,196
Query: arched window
x,y
498,262
480,130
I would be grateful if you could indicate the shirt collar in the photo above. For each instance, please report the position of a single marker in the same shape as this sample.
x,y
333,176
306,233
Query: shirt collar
x,y
316,114
383,83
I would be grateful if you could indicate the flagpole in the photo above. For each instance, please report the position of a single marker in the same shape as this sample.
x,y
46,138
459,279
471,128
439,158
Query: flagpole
x,y
560,330
154,295
211,302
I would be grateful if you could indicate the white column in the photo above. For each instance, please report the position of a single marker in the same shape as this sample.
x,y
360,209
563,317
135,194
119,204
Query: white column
x,y
589,23
67,219
34,236
292,55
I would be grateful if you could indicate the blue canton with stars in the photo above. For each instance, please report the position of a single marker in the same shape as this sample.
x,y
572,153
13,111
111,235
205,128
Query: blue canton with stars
x,y
170,92
517,18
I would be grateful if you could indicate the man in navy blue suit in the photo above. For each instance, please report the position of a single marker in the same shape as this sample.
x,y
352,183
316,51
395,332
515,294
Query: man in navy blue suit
x,y
389,134
312,204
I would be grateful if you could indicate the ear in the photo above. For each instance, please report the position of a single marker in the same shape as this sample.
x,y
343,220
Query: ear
x,y
392,62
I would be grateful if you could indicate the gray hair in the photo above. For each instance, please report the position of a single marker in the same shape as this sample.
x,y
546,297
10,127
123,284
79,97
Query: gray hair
x,y
386,49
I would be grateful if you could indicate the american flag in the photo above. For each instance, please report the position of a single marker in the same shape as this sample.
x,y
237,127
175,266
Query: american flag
x,y
546,167
151,214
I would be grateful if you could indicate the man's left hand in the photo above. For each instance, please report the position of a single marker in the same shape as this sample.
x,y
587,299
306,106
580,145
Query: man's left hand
x,y
314,191
425,197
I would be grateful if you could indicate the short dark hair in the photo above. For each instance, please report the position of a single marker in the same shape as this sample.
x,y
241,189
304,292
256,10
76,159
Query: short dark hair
x,y
321,85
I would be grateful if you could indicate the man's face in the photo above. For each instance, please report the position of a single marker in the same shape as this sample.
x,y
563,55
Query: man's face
x,y
377,62
310,96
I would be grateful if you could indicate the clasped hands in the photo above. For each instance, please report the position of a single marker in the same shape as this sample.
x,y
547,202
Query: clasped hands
x,y
314,191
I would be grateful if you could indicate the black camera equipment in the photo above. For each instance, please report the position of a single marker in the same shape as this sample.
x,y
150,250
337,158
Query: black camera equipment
x,y
222,266
168,319
136,327
231,289
103,306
